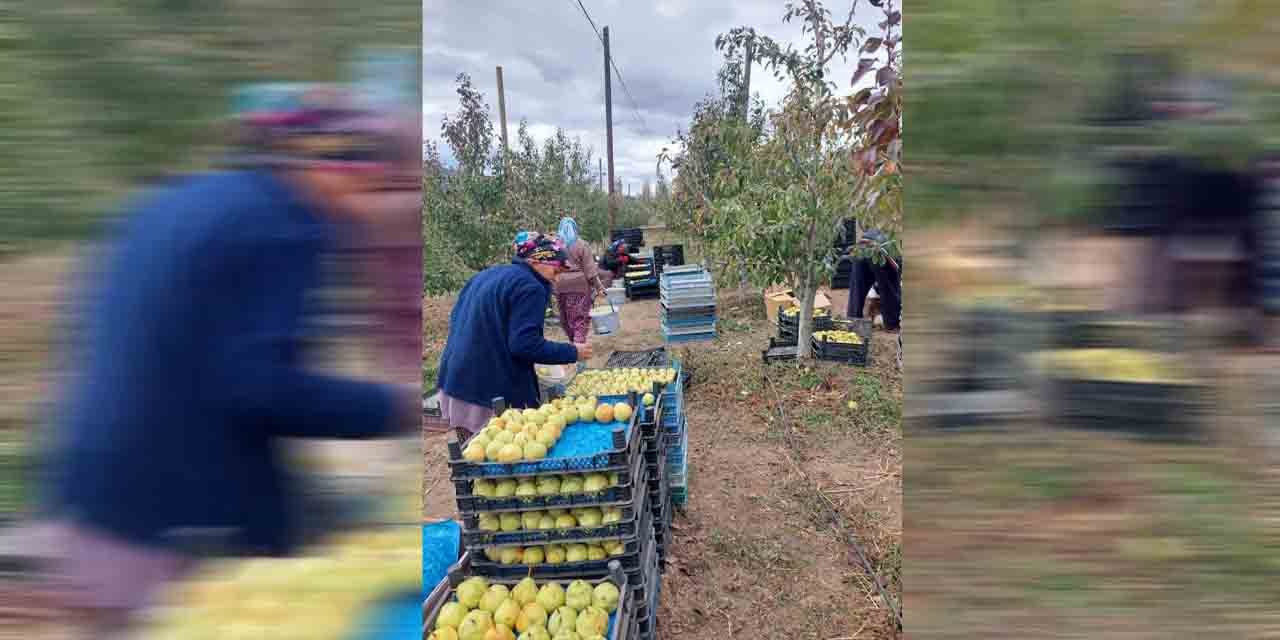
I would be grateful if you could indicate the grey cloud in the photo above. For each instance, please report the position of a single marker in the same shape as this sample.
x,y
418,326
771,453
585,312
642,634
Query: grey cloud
x,y
553,64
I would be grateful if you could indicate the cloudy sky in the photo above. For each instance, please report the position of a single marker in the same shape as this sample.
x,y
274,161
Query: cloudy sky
x,y
553,64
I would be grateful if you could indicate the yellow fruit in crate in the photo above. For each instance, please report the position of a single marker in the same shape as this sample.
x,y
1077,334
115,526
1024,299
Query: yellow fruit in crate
x,y
595,552
578,595
592,622
537,419
510,555
575,553
510,414
547,437
546,522
557,422
586,413
621,412
550,596
605,596
520,440
471,591
447,633
451,615
649,399
510,453
534,555
590,518
506,437
535,451
505,488
474,627
489,522
506,612
548,485
494,597
474,452
526,489
529,520
564,619
554,554
595,483
604,414
509,522
491,452
500,632
611,515
531,615
570,484
566,522
492,554
615,548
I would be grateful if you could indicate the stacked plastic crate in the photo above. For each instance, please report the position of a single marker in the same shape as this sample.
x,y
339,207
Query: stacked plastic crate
x,y
504,524
688,299
641,278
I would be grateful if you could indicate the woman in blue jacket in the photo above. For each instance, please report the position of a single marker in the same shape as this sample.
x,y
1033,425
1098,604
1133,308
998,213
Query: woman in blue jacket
x,y
496,335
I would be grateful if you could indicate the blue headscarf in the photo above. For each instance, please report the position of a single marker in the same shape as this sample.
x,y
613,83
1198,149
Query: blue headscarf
x,y
568,231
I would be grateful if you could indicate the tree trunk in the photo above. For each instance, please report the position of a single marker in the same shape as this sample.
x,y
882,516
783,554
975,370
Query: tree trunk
x,y
808,291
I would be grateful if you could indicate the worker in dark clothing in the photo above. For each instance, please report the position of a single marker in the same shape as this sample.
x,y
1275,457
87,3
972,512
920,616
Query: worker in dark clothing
x,y
885,274
616,258
192,364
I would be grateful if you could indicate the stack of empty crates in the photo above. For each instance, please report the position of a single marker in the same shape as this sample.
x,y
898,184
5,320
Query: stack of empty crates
x,y
688,299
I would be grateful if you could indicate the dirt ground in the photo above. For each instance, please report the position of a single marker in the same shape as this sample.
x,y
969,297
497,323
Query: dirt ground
x,y
766,546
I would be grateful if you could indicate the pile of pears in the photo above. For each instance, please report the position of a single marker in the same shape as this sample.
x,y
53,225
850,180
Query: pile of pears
x,y
550,519
480,611
529,434
556,553
838,337
616,382
546,485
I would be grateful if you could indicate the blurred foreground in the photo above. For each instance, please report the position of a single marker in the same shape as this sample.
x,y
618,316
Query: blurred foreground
x,y
105,101
1090,341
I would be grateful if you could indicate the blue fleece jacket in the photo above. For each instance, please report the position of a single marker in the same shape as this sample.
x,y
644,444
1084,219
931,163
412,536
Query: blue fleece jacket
x,y
191,367
496,336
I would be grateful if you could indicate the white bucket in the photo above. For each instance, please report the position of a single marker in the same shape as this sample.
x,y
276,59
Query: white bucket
x,y
604,320
616,295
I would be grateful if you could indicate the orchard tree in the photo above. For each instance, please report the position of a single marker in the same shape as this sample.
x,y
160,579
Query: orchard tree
x,y
791,193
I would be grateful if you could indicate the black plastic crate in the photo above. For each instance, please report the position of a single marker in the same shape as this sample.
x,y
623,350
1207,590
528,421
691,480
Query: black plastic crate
x,y
469,503
1160,411
638,548
633,514
624,624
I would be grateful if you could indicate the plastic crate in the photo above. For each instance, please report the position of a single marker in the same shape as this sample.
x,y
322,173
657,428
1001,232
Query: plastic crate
x,y
617,456
1160,411
620,622
469,503
632,515
631,560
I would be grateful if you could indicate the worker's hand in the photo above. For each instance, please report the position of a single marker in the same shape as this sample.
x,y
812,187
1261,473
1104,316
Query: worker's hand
x,y
584,351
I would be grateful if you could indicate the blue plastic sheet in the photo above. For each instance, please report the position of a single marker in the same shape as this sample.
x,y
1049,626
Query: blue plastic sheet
x,y
441,542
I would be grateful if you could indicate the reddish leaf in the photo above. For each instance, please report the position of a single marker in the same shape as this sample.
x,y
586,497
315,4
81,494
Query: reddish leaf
x,y
885,76
860,98
864,66
872,45
895,18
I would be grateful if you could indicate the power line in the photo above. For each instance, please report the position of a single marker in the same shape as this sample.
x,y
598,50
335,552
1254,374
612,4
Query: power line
x,y
635,108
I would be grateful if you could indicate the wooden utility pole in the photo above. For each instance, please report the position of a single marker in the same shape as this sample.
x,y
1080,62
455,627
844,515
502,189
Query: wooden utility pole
x,y
502,115
746,81
608,126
